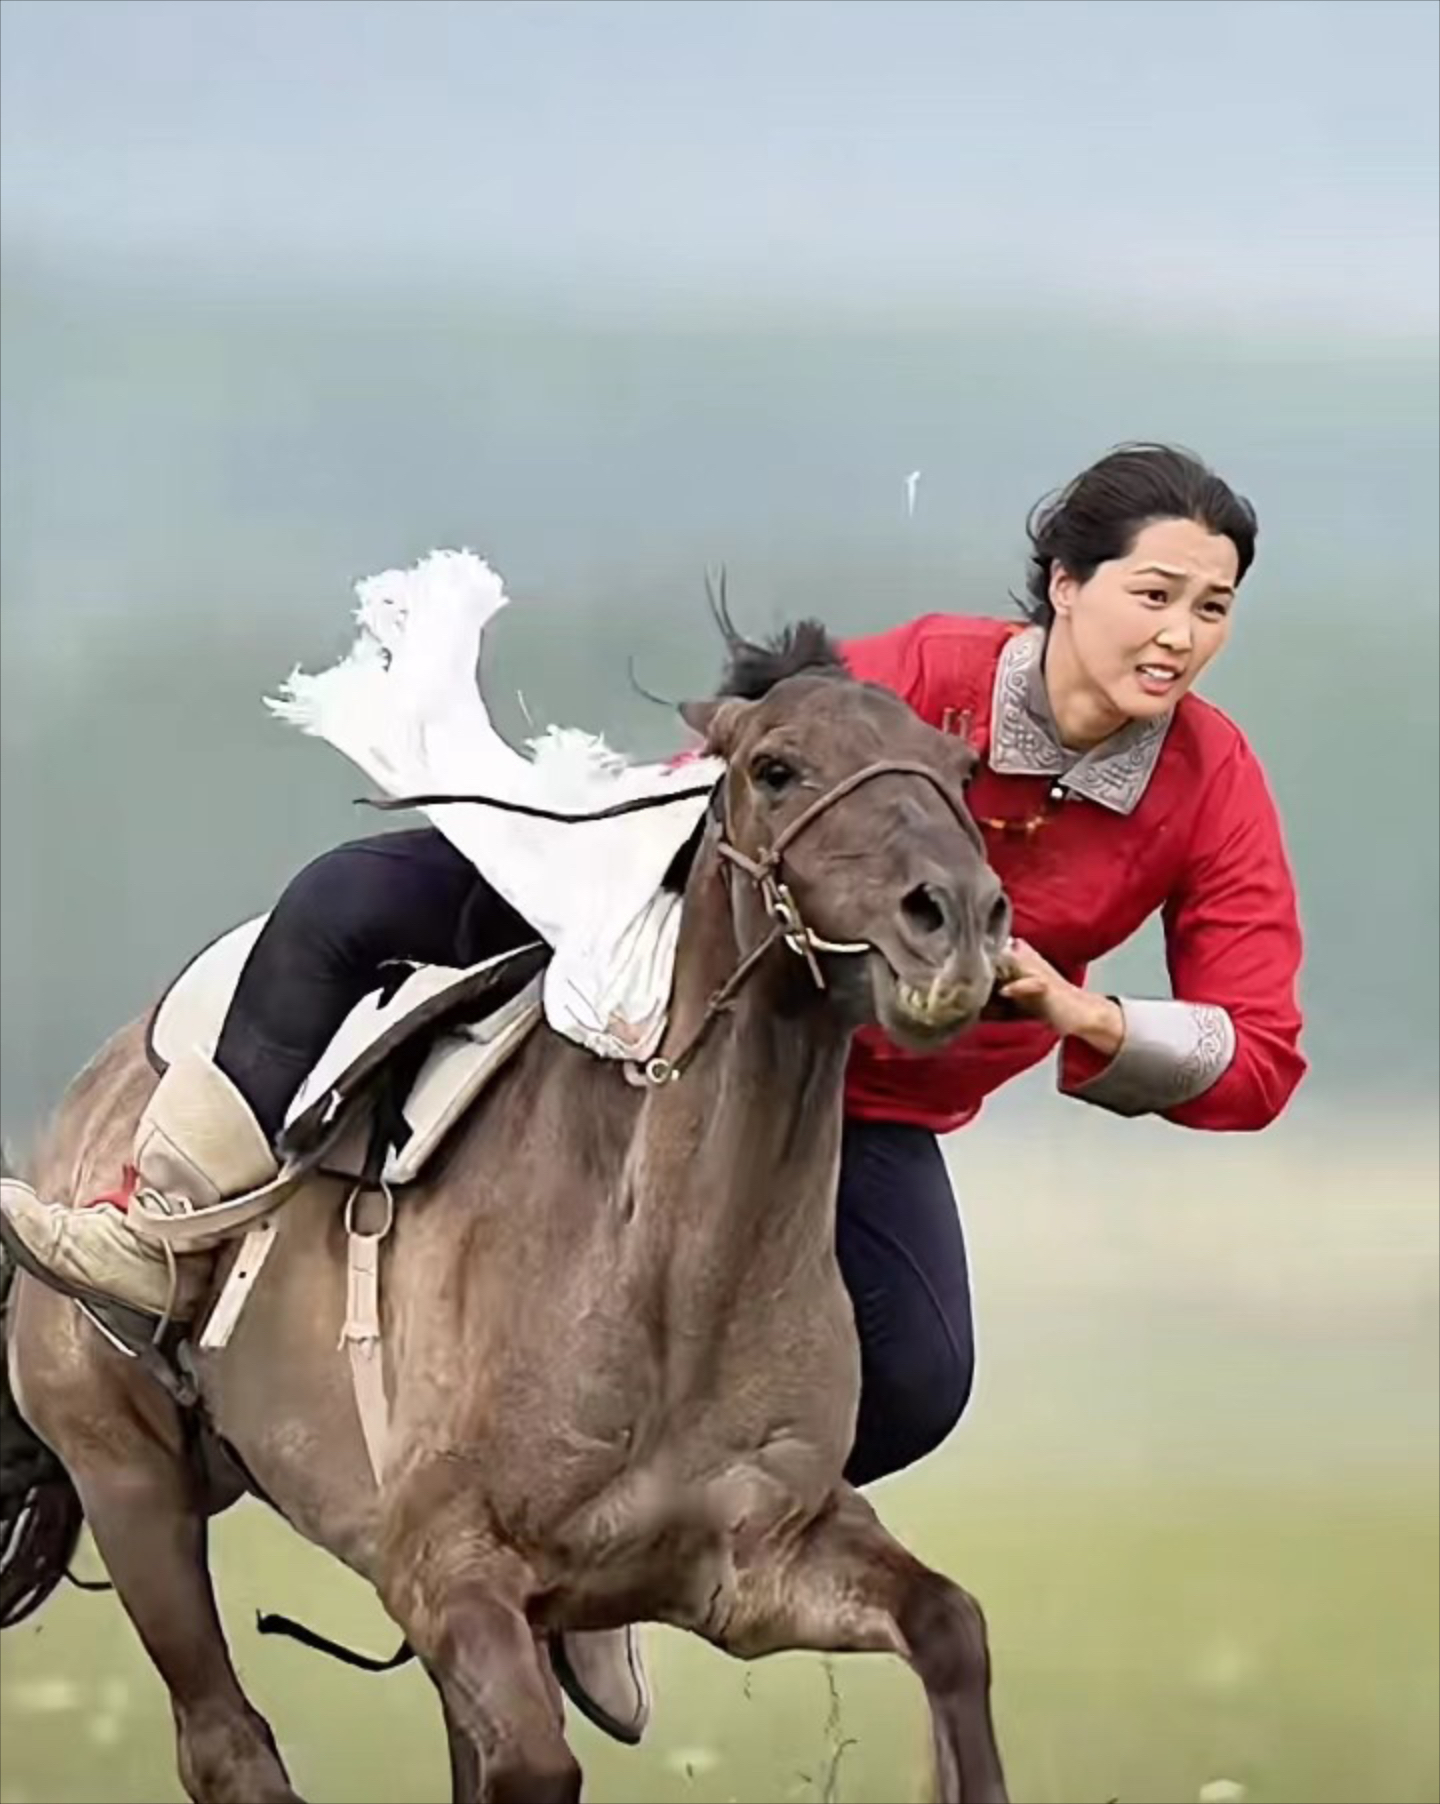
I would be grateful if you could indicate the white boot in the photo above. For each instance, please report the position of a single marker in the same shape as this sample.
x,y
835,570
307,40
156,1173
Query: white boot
x,y
197,1144
604,1677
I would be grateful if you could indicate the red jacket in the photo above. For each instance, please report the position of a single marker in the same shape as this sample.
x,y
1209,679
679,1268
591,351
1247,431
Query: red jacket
x,y
1202,846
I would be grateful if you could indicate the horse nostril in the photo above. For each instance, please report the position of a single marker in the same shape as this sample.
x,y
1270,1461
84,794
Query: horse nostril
x,y
997,921
923,911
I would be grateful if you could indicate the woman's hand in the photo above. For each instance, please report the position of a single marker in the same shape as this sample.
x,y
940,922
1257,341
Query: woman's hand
x,y
1036,988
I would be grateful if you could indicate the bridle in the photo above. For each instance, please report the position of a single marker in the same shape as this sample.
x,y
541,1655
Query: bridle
x,y
788,925
765,871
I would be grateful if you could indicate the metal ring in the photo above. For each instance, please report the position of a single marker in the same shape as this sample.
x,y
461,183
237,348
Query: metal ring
x,y
784,911
363,1190
652,1074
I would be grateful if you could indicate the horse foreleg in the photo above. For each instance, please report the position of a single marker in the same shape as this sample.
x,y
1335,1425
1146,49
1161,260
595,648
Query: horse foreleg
x,y
464,1755
465,1772
460,1603
847,1586
122,1442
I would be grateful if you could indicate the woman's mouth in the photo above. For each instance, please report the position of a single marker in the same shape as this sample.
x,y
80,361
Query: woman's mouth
x,y
1157,679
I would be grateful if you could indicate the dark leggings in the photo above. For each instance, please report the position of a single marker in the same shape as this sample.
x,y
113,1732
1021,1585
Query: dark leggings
x,y
397,896
411,895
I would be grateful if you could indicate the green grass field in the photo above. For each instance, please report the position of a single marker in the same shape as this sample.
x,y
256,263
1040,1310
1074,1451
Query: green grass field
x,y
1196,1493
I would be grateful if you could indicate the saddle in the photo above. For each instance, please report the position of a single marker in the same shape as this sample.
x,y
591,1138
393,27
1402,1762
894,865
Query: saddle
x,y
400,1074
425,1041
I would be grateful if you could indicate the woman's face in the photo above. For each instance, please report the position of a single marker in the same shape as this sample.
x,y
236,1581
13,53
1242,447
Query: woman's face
x,y
1145,625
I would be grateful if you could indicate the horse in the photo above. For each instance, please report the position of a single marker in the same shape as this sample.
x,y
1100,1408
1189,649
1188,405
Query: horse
x,y
623,1369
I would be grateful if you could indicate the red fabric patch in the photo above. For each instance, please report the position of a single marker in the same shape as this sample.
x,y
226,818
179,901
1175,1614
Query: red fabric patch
x,y
121,1196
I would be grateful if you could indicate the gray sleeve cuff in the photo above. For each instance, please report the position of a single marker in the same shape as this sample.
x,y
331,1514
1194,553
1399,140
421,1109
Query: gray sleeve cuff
x,y
1172,1052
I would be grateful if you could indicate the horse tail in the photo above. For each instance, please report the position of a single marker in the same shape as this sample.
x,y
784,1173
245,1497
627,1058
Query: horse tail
x,y
40,1512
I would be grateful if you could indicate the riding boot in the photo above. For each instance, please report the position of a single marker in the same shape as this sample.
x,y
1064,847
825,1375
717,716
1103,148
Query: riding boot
x,y
603,1675
197,1144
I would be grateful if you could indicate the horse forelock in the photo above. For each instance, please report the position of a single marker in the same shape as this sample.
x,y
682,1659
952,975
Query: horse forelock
x,y
753,668
806,648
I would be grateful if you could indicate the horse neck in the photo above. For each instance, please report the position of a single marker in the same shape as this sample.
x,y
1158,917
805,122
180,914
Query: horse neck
x,y
741,1153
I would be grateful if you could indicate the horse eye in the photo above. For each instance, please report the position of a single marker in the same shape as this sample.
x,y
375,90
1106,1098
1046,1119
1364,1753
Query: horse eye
x,y
773,774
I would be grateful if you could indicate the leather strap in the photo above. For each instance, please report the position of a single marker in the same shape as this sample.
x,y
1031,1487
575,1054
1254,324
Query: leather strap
x,y
220,1220
362,1336
239,1282
363,1343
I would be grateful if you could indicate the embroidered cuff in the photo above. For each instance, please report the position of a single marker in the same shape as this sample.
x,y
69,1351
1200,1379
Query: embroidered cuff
x,y
1172,1053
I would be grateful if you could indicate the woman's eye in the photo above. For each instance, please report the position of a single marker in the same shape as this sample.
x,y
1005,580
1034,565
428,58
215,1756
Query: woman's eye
x,y
1215,610
1159,596
773,774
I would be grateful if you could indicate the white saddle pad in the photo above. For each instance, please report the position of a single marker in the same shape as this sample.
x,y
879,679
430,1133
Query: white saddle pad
x,y
462,1060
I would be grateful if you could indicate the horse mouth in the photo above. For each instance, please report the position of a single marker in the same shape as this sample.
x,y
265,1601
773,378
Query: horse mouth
x,y
921,1011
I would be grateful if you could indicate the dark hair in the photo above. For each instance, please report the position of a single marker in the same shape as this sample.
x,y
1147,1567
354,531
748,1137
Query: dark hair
x,y
1097,516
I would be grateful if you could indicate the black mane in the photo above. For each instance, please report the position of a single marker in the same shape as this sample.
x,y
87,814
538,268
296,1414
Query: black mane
x,y
753,670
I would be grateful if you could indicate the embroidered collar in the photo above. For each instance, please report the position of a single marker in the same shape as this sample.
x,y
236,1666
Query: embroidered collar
x,y
1024,740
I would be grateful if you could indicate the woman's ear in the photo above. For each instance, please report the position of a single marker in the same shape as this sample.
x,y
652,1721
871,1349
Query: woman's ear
x,y
717,722
1062,588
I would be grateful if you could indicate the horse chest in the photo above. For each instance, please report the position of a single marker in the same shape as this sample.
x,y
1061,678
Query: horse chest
x,y
666,1541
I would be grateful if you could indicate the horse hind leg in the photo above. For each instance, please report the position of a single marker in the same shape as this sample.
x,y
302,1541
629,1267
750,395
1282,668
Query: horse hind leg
x,y
846,1586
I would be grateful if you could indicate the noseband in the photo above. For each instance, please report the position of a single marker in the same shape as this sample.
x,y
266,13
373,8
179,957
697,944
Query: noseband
x,y
788,925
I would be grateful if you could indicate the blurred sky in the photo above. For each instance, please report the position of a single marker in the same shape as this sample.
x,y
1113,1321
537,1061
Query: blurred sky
x,y
1263,161
293,292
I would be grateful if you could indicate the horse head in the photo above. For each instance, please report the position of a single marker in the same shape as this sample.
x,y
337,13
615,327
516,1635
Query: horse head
x,y
847,812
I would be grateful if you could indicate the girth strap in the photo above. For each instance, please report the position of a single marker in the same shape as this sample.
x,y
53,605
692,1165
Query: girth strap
x,y
362,1337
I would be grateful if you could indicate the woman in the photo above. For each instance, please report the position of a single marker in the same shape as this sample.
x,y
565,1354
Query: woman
x,y
1107,793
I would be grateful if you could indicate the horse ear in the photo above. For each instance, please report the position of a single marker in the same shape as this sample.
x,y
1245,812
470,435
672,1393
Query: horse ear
x,y
717,722
964,759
